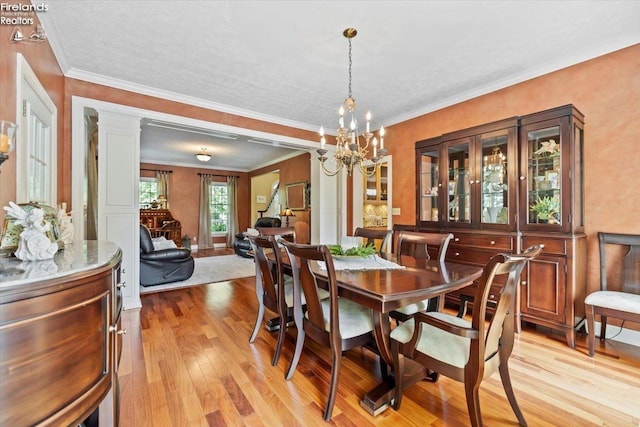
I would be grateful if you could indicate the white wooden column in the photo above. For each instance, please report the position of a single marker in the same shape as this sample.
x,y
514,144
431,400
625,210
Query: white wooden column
x,y
118,176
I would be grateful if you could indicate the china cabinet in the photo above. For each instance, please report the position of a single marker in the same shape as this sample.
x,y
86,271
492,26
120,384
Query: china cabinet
x,y
375,196
502,187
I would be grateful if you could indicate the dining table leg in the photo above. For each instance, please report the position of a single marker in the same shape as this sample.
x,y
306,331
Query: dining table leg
x,y
380,397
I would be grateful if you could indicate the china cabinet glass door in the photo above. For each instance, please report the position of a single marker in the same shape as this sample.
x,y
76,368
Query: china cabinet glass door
x,y
494,199
384,178
544,186
459,182
430,185
371,187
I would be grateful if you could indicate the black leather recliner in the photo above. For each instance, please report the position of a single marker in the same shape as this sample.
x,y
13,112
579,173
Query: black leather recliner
x,y
241,244
162,266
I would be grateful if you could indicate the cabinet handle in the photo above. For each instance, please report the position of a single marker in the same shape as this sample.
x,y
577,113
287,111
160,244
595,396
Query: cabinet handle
x,y
523,283
124,271
440,185
493,242
122,284
457,239
477,181
522,178
114,328
457,254
492,296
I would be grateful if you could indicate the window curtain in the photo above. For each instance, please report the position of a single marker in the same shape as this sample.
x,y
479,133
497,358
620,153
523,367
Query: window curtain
x,y
232,193
204,222
92,183
162,179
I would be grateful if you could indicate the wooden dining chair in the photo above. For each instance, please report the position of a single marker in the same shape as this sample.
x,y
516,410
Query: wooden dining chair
x,y
381,239
467,351
623,304
273,291
337,323
413,248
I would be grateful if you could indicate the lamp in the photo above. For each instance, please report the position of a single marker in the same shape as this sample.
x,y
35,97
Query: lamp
x,y
7,138
351,147
162,200
203,156
287,213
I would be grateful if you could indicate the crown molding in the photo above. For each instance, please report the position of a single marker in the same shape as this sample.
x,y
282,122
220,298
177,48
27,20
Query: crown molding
x,y
184,99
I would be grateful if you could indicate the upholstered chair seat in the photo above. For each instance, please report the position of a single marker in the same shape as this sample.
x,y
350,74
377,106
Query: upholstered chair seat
x,y
354,318
436,343
622,301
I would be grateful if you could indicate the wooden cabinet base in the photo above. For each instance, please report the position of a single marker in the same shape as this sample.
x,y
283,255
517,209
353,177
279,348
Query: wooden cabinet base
x,y
56,359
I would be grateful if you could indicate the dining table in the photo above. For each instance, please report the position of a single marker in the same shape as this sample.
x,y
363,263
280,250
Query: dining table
x,y
383,286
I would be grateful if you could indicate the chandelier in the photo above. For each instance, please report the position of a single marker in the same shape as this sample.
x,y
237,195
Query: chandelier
x,y
351,147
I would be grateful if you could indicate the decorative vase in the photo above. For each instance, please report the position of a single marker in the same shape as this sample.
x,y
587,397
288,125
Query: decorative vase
x,y
493,214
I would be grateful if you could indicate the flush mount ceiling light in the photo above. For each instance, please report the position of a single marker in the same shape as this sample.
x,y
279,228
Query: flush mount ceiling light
x,y
203,156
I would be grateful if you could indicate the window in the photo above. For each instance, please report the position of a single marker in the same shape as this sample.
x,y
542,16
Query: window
x,y
219,208
36,140
148,192
38,162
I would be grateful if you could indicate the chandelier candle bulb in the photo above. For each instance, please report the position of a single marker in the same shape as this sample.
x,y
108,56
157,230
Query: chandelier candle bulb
x,y
368,119
381,137
4,143
375,146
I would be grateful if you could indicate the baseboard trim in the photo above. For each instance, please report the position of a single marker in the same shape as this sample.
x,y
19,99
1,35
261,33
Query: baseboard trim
x,y
626,335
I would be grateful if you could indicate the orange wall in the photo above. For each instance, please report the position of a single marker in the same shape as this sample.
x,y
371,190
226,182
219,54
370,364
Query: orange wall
x,y
606,90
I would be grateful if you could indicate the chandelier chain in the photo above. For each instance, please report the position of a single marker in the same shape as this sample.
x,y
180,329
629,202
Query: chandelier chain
x,y
350,62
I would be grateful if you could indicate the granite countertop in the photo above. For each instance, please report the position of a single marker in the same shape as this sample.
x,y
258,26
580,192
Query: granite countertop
x,y
75,257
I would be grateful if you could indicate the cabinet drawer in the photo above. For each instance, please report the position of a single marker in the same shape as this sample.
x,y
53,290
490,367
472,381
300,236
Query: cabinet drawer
x,y
468,255
501,243
551,246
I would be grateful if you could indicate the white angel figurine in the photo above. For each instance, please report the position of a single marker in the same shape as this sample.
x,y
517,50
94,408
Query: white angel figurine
x,y
34,244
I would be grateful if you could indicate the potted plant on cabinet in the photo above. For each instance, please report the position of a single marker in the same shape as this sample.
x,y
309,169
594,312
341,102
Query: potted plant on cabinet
x,y
547,209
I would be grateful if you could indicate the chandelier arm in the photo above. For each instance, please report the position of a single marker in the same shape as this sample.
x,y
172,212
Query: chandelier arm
x,y
364,170
326,171
330,173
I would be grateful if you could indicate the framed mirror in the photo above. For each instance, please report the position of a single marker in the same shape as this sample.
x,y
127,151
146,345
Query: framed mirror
x,y
296,196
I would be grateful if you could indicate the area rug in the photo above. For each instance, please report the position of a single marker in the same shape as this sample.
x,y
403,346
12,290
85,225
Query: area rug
x,y
210,270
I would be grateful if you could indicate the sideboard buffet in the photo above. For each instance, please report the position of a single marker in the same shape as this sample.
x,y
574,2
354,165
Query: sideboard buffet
x,y
507,185
61,337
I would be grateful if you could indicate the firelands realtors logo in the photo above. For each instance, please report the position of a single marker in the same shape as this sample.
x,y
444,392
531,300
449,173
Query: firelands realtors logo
x,y
20,14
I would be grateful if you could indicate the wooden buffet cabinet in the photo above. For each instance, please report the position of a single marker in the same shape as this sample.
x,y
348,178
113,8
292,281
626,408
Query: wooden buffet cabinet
x,y
61,338
507,185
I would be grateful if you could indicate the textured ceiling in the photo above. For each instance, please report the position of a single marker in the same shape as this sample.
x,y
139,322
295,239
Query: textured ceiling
x,y
286,61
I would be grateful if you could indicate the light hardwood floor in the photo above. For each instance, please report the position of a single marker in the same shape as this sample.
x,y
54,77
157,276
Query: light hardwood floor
x,y
187,361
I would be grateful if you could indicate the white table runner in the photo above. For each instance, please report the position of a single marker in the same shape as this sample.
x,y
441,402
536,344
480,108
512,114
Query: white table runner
x,y
373,262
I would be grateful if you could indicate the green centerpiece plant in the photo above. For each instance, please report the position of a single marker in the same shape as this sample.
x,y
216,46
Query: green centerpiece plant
x,y
359,251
